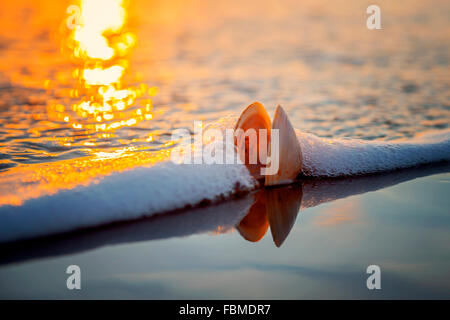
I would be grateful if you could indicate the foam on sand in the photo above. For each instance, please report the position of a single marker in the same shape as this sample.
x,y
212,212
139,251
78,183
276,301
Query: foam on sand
x,y
146,190
349,157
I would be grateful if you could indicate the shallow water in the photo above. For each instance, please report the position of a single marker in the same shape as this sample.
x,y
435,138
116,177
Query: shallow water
x,y
320,251
203,60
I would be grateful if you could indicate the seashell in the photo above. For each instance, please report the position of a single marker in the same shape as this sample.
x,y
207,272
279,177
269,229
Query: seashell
x,y
289,151
253,117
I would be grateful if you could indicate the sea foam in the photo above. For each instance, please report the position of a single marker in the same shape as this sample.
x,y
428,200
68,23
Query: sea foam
x,y
349,157
166,186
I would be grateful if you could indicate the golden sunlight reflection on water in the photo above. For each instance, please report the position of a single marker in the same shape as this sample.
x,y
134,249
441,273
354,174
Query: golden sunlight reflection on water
x,y
68,96
100,45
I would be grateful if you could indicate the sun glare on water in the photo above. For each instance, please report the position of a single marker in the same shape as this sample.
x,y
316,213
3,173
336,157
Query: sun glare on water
x,y
98,17
95,109
100,45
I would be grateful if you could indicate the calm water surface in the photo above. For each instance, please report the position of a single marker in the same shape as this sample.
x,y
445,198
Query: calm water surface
x,y
320,251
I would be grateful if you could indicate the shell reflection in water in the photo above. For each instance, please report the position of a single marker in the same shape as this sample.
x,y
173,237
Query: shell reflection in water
x,y
274,207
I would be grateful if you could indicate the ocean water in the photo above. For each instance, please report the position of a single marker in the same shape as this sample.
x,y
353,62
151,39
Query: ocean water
x,y
60,138
203,61
316,242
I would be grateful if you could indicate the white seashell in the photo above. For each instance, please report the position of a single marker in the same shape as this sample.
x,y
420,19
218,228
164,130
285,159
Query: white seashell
x,y
290,154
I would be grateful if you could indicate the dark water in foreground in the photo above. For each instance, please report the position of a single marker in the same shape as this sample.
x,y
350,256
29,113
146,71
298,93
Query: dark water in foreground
x,y
403,228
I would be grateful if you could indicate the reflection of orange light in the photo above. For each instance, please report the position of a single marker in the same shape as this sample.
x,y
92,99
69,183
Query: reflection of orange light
x,y
99,76
97,18
100,43
255,224
35,180
340,213
101,104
